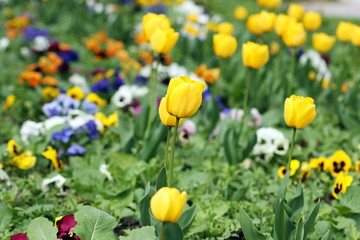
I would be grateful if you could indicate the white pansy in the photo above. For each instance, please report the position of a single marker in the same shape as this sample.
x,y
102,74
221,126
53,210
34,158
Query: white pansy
x,y
316,62
30,128
145,71
41,44
4,43
98,7
58,180
139,92
176,70
123,96
188,7
4,178
103,169
80,81
54,121
110,8
25,51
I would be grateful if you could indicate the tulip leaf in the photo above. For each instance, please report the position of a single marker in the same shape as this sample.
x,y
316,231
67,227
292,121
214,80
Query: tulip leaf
x,y
300,230
161,180
327,236
311,220
141,120
41,229
5,216
250,145
144,207
248,227
94,224
280,221
296,204
187,219
229,146
151,144
172,231
281,192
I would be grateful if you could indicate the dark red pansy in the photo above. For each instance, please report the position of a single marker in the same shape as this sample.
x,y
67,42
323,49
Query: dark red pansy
x,y
19,236
65,226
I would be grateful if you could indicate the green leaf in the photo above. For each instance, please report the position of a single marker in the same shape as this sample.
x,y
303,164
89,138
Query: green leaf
x,y
5,216
161,180
172,231
94,224
296,204
327,236
144,208
152,143
311,220
144,233
187,219
229,146
280,221
350,201
250,145
300,230
41,229
248,228
141,120
281,192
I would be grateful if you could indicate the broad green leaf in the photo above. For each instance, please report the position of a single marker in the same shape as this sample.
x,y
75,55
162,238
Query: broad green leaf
x,y
94,224
296,204
151,144
250,144
311,219
229,146
300,230
161,180
172,231
280,221
350,200
187,219
5,216
327,236
281,192
41,229
144,233
248,228
144,208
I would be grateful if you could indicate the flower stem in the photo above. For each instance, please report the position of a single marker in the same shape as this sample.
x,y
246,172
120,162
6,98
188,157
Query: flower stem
x,y
173,152
355,63
167,146
243,119
276,75
162,231
153,77
291,149
292,71
217,84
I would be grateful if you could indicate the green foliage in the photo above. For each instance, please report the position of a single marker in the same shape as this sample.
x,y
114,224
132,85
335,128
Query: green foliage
x,y
41,229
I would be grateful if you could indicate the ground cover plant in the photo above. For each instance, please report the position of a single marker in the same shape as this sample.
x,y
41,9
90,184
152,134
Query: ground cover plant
x,y
178,120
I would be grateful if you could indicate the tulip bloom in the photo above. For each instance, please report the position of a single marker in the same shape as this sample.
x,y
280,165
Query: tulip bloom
x,y
355,39
312,21
151,22
184,96
254,55
224,45
165,117
164,40
299,111
240,13
294,35
225,28
282,22
339,162
323,42
342,182
273,4
254,24
168,204
268,20
344,31
296,11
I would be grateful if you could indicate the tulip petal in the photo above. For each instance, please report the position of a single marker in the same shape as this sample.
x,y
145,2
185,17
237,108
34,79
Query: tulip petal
x,y
160,205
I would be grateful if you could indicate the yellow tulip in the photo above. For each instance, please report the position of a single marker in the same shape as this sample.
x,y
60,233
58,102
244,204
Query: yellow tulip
x,y
23,161
255,25
240,13
269,3
356,36
282,22
296,11
225,28
299,111
151,22
167,204
294,35
164,40
254,55
165,117
224,45
75,93
268,20
184,96
312,21
323,42
341,184
344,31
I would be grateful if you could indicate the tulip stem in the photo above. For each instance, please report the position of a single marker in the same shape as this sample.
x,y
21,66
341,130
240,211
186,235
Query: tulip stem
x,y
217,84
291,149
162,231
153,79
355,63
292,71
243,119
173,152
167,146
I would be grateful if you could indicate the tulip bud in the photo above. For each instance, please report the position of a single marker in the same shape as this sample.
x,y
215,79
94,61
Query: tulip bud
x,y
151,22
356,36
299,111
255,25
312,21
296,11
323,42
168,204
294,35
224,45
254,55
240,13
225,28
282,22
165,117
344,31
163,40
184,96
268,20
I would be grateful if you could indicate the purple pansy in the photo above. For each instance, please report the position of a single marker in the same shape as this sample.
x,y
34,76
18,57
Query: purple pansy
x,y
102,86
62,136
76,150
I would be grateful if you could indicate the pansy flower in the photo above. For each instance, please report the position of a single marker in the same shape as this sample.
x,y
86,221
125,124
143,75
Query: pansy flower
x,y
305,171
111,120
94,98
92,131
13,148
62,136
24,160
65,225
187,131
321,163
75,93
76,150
338,162
342,182
51,154
357,166
294,165
19,236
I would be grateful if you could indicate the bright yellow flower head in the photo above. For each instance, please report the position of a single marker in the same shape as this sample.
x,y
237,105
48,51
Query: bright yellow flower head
x,y
296,11
225,28
355,39
338,162
342,182
111,120
184,96
240,13
344,31
165,117
299,111
357,166
151,22
8,102
320,163
23,161
1,166
323,42
254,55
51,154
224,45
13,148
163,40
148,2
305,171
294,166
75,93
57,220
50,93
282,22
268,20
294,35
312,21
273,4
94,98
167,204
254,24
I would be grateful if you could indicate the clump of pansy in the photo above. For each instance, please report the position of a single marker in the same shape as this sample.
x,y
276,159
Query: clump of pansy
x,y
65,225
23,160
16,25
105,82
208,74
